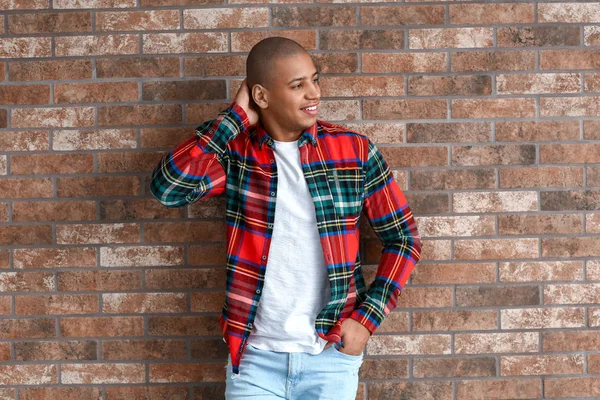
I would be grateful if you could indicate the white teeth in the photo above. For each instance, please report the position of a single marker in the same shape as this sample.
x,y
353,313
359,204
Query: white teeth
x,y
310,108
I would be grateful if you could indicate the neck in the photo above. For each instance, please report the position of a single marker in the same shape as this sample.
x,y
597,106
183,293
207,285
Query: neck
x,y
279,134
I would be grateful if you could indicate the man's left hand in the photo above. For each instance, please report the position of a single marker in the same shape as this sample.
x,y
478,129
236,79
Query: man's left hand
x,y
354,336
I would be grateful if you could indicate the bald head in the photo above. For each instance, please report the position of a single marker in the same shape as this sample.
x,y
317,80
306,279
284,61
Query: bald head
x,y
264,54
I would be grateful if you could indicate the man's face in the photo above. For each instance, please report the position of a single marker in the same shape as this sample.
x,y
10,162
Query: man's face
x,y
293,93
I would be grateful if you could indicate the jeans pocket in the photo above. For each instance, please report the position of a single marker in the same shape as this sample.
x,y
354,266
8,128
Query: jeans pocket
x,y
336,349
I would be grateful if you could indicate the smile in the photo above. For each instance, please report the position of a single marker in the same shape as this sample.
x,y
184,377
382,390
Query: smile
x,y
312,108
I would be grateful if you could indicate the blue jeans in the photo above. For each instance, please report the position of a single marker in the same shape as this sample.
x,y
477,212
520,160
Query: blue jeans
x,y
266,375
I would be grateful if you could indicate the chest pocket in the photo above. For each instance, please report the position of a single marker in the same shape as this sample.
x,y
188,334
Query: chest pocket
x,y
346,189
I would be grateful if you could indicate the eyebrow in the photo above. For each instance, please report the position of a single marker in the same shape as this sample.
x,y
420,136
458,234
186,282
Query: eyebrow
x,y
302,78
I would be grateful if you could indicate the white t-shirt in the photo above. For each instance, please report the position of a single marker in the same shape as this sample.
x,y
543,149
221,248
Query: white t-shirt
x,y
296,280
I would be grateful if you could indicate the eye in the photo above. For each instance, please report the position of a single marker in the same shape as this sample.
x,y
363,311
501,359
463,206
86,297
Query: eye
x,y
316,80
298,86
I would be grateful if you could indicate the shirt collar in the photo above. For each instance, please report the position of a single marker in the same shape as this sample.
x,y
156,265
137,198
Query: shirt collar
x,y
309,135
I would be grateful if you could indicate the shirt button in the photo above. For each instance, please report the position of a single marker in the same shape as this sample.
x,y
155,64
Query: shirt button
x,y
264,257
270,225
272,161
257,291
272,193
249,325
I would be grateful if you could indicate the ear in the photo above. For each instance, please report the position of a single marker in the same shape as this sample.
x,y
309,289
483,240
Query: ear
x,y
260,96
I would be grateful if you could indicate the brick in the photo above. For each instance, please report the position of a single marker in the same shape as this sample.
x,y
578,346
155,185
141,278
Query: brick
x,y
207,302
25,47
24,94
361,39
208,348
492,155
538,36
29,374
499,389
163,138
151,392
133,256
102,373
570,340
483,249
52,164
454,273
394,323
173,43
184,90
453,179
591,36
592,82
187,372
69,46
400,156
102,326
15,188
67,4
23,4
448,132
405,15
50,70
593,176
571,294
54,211
383,369
198,113
593,321
3,119
146,67
98,186
24,141
403,62
362,86
492,61
147,114
404,109
487,14
4,264
143,349
215,66
129,303
297,17
28,328
196,231
56,304
336,63
538,83
454,367
428,204
169,279
55,117
570,153
536,131
244,41
456,226
540,177
30,235
569,106
50,23
450,38
569,200
569,12
128,162
33,393
408,344
592,223
420,389
519,224
380,132
570,247
26,282
449,85
482,343
493,108
223,18
100,139
427,298
132,209
455,320
74,257
542,318
494,201
64,350
339,110
95,92
570,59
97,233
183,326
581,387
154,20
539,271
99,280
542,365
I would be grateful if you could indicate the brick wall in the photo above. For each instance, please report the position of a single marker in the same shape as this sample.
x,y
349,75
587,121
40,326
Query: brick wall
x,y
487,112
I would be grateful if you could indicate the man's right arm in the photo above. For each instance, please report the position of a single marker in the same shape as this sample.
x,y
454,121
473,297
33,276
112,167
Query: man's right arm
x,y
194,170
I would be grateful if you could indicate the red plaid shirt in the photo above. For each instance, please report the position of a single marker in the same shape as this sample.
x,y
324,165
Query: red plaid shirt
x,y
345,174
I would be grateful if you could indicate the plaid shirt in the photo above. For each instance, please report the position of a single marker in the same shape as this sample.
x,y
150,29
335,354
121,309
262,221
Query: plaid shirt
x,y
345,174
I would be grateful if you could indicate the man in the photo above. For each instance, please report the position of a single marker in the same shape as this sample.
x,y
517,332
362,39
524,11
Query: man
x,y
297,314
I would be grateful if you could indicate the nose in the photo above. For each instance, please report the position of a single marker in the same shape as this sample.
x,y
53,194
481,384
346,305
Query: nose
x,y
314,92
